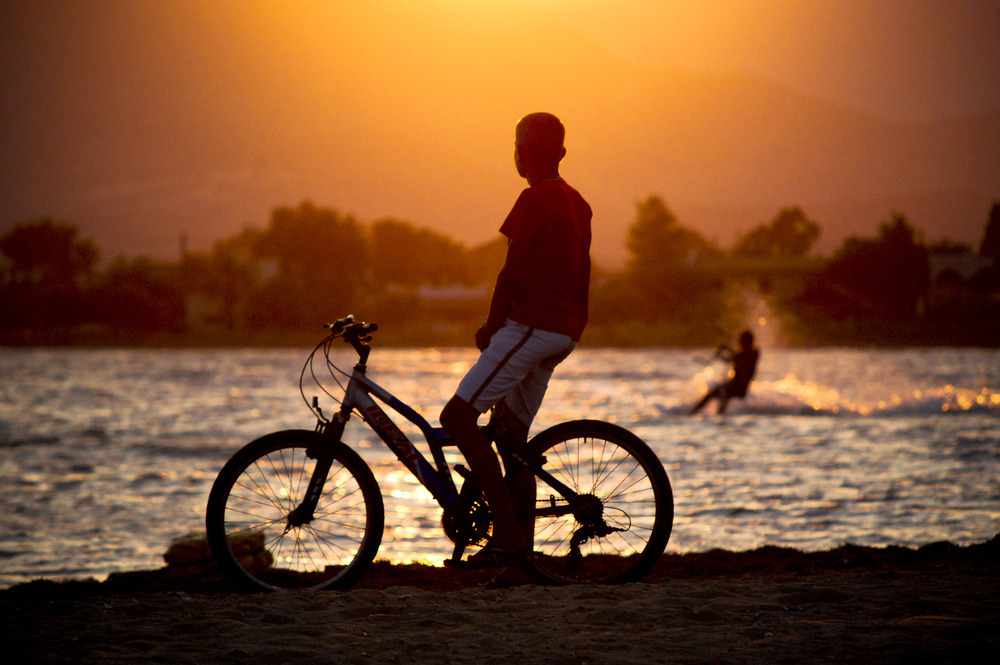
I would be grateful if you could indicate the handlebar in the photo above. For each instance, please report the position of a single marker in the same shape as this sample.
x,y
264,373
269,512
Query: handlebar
x,y
338,326
349,328
354,333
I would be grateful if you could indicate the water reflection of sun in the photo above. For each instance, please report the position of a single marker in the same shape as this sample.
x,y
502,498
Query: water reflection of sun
x,y
825,399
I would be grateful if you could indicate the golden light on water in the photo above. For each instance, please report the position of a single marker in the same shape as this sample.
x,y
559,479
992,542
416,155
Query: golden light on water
x,y
921,468
826,399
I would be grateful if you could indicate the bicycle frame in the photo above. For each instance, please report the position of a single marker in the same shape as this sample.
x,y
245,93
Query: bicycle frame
x,y
606,518
438,481
358,397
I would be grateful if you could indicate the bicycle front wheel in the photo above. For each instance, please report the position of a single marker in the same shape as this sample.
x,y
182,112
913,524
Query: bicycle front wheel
x,y
248,524
623,526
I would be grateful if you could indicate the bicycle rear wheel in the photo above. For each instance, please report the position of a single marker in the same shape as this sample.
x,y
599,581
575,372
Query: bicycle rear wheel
x,y
624,527
248,526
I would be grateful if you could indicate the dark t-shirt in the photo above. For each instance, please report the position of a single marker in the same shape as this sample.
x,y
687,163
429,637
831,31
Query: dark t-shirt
x,y
744,367
551,287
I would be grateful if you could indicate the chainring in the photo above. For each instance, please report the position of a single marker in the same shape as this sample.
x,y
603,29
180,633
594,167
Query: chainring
x,y
469,523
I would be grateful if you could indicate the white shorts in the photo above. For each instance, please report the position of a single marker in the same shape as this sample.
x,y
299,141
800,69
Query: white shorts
x,y
515,367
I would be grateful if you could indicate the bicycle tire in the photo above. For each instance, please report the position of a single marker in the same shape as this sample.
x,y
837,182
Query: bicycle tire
x,y
605,461
247,526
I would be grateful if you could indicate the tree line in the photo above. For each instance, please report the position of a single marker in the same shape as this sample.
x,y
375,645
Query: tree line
x,y
313,263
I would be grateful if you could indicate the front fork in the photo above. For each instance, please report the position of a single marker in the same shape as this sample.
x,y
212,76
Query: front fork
x,y
323,452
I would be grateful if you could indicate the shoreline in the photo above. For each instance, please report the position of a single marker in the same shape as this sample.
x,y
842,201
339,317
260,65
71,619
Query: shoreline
x,y
936,603
713,564
868,333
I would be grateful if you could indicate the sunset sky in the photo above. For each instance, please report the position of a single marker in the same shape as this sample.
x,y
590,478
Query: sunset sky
x,y
140,120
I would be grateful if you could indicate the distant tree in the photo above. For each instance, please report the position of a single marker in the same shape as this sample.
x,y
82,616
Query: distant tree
x,y
486,260
229,272
313,244
985,281
657,239
990,246
887,275
282,303
141,295
790,234
45,275
945,247
661,272
240,247
404,254
322,258
47,253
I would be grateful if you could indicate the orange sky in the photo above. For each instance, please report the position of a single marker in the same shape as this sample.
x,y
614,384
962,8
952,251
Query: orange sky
x,y
140,120
909,59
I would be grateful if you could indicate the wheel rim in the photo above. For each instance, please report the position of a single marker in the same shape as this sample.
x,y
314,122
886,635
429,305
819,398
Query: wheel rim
x,y
278,556
606,543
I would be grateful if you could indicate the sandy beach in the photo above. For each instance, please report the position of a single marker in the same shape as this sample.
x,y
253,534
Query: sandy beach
x,y
936,604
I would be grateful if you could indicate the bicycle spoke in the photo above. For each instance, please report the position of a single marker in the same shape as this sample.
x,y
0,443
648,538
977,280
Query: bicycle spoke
x,y
601,462
257,492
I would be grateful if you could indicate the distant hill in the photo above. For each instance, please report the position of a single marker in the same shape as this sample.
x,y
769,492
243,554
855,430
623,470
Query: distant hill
x,y
140,138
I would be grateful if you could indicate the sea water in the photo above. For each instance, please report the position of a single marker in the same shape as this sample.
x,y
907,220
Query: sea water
x,y
107,455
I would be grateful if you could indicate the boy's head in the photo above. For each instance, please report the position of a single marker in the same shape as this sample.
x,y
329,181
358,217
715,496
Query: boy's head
x,y
746,339
538,144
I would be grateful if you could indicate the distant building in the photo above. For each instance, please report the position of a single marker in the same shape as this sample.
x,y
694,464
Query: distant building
x,y
945,267
453,292
202,310
963,284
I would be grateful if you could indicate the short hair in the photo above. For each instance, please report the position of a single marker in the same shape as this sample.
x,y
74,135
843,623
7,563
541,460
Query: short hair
x,y
746,338
542,134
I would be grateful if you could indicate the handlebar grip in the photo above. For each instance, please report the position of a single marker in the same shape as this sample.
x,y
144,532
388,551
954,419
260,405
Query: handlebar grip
x,y
340,324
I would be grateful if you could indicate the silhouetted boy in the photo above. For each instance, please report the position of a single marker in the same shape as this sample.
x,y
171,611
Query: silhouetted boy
x,y
744,366
537,313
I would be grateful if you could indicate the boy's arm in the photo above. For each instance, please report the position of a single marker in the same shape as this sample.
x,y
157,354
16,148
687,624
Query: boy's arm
x,y
499,306
518,247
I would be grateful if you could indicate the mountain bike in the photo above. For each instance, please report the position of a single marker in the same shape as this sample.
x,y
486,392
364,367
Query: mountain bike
x,y
299,509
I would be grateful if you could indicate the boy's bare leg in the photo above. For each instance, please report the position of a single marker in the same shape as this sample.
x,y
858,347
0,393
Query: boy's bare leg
x,y
460,420
520,481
